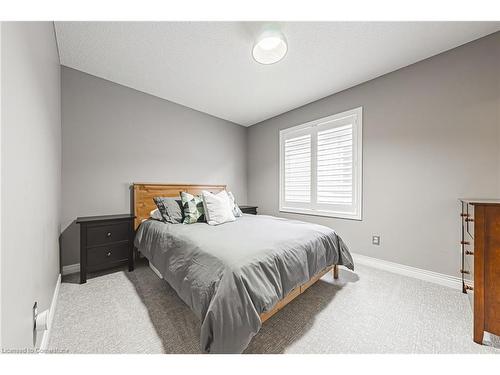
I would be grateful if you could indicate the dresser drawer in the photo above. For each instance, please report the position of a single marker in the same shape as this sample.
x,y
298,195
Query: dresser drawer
x,y
470,295
469,267
469,220
468,278
104,256
104,234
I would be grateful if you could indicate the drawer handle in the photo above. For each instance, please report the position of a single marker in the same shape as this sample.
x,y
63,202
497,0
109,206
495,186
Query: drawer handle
x,y
468,252
465,242
465,272
108,234
468,287
108,254
464,215
469,219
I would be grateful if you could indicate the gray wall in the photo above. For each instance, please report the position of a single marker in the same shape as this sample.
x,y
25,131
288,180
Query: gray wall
x,y
31,175
430,135
114,135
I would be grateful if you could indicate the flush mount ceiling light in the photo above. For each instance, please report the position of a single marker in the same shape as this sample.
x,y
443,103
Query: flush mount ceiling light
x,y
270,47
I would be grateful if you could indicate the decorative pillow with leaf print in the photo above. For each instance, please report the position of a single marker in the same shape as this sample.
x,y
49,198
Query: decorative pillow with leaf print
x,y
236,209
192,206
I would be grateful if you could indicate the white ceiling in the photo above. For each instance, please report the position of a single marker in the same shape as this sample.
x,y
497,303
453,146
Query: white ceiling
x,y
208,66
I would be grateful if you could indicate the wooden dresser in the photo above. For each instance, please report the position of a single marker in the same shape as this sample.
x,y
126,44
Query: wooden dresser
x,y
481,262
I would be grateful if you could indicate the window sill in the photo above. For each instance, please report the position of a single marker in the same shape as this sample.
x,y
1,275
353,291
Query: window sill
x,y
333,215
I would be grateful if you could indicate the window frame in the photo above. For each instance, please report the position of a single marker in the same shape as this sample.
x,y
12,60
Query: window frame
x,y
312,127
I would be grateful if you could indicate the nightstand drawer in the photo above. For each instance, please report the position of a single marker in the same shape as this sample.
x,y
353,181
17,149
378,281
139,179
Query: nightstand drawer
x,y
108,233
252,210
106,256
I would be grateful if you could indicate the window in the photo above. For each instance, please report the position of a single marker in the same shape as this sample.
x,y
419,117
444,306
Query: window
x,y
321,166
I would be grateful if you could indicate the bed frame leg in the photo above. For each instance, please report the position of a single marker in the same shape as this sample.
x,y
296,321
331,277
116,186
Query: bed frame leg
x,y
335,271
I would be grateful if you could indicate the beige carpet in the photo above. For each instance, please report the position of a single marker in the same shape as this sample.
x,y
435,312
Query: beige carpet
x,y
370,311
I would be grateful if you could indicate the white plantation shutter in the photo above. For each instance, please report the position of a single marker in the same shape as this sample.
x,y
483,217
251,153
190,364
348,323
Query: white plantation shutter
x,y
335,165
320,166
298,169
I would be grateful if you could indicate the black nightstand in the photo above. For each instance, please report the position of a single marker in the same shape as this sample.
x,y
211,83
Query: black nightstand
x,y
249,209
105,242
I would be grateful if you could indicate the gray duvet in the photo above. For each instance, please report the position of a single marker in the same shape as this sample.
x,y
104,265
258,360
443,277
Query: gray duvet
x,y
230,273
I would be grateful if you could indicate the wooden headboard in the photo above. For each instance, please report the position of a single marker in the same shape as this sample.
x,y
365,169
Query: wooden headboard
x,y
144,194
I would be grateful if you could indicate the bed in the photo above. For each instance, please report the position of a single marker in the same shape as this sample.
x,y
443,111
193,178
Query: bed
x,y
234,276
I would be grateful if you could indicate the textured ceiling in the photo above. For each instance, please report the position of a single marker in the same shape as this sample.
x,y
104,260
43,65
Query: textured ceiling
x,y
208,66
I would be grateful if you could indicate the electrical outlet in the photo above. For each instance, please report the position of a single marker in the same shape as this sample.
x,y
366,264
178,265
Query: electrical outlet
x,y
376,240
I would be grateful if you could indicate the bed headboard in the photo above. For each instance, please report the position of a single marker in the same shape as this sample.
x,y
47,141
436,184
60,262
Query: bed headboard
x,y
144,193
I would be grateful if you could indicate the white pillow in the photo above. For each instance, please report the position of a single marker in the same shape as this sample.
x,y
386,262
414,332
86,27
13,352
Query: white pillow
x,y
156,215
218,207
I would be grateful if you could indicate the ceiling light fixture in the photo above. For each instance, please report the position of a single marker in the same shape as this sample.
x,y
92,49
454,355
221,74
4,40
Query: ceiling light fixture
x,y
270,47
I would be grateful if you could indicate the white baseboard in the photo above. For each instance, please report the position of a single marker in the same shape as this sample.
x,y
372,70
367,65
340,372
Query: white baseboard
x,y
401,269
417,273
46,334
71,268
